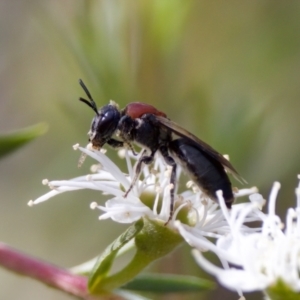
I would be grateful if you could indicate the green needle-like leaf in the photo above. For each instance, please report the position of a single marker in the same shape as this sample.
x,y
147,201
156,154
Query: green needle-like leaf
x,y
168,283
14,140
105,261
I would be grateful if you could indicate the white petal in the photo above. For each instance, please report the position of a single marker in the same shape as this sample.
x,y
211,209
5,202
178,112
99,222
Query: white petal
x,y
123,211
233,279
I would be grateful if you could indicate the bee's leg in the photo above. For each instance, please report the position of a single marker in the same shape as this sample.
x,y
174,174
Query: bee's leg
x,y
171,162
131,148
146,159
115,143
121,144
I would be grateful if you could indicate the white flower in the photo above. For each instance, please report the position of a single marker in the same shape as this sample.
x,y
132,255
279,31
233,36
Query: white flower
x,y
260,258
203,213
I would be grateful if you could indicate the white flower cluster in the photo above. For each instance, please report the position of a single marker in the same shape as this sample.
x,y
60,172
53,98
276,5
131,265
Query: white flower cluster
x,y
262,258
260,255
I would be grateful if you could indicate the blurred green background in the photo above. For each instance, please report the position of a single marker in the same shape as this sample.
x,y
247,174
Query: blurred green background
x,y
228,71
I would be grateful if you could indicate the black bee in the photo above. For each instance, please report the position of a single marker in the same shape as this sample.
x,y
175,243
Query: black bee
x,y
150,128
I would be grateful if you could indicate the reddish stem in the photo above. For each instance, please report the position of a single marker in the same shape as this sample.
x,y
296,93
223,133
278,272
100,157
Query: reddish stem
x,y
47,273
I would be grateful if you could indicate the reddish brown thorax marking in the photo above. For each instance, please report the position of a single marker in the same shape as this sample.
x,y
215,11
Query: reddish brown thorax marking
x,y
137,109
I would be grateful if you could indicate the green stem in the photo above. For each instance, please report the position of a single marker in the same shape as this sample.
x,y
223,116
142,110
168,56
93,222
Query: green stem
x,y
137,264
153,241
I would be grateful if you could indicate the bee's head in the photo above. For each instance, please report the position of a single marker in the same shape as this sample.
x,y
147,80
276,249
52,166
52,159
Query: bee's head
x,y
105,122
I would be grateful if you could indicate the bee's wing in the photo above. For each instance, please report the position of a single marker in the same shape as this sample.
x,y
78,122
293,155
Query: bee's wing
x,y
202,145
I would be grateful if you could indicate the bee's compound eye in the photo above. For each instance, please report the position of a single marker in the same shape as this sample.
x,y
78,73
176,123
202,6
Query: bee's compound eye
x,y
105,124
107,120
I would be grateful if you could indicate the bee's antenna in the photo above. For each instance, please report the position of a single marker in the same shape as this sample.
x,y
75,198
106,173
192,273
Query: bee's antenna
x,y
90,103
